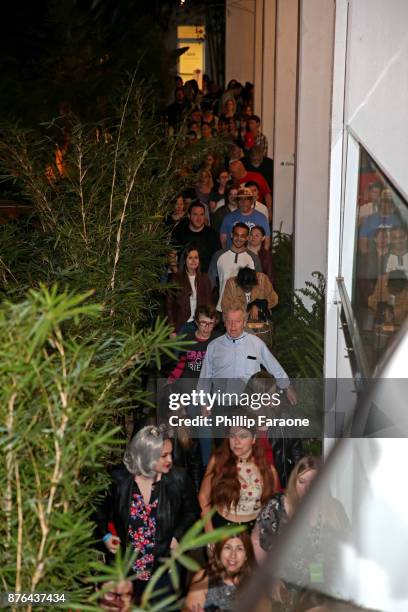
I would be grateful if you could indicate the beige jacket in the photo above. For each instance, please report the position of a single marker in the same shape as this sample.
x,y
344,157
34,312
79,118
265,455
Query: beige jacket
x,y
382,294
234,296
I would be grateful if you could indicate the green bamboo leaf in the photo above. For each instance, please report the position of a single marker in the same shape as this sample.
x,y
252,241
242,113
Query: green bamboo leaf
x,y
217,535
197,527
174,575
168,603
188,563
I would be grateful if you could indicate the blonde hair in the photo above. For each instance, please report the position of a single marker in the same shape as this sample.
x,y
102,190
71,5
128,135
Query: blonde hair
x,y
304,465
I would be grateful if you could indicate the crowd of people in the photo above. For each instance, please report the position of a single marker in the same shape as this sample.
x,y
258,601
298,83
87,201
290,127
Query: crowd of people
x,y
382,260
219,296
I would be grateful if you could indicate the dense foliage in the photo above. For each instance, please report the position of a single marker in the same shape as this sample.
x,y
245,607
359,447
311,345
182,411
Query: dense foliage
x,y
299,317
72,358
60,393
98,194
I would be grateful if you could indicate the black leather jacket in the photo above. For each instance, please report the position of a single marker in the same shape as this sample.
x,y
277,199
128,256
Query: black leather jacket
x,y
287,450
190,459
177,508
286,453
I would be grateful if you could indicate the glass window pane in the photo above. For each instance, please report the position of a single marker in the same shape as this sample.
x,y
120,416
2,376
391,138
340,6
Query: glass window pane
x,y
380,295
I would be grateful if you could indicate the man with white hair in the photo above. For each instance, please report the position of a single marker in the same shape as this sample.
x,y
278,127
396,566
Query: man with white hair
x,y
238,354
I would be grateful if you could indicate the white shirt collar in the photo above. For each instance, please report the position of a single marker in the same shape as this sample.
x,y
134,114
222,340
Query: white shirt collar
x,y
244,333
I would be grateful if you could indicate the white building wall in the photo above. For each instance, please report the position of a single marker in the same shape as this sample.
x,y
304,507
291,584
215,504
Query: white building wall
x,y
369,105
259,55
240,40
286,56
316,34
264,82
377,83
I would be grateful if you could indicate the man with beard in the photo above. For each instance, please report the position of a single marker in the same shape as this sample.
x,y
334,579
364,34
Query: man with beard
x,y
226,263
256,161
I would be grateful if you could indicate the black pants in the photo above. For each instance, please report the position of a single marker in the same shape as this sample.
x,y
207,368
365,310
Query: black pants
x,y
220,521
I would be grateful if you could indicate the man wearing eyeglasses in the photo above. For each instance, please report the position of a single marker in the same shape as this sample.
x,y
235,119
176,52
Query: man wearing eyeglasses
x,y
190,362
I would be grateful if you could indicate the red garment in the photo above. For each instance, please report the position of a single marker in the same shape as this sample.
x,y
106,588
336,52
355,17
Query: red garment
x,y
249,140
259,180
266,445
111,528
364,180
177,372
265,257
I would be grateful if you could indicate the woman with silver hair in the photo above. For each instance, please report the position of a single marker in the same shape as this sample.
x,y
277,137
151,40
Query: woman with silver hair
x,y
150,504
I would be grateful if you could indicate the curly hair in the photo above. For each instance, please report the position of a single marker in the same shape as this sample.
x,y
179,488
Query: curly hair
x,y
225,484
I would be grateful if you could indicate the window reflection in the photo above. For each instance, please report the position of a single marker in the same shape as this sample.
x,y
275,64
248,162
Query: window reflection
x,y
380,296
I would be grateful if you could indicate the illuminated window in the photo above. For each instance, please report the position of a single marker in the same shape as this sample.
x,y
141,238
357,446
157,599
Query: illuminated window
x,y
192,62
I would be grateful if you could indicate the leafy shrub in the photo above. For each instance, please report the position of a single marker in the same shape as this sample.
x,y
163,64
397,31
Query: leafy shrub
x,y
298,329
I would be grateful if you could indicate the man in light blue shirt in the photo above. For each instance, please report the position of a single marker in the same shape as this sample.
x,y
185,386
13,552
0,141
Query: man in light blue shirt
x,y
236,356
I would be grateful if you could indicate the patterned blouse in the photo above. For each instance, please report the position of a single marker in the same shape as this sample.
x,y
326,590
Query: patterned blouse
x,y
251,488
142,530
271,520
220,596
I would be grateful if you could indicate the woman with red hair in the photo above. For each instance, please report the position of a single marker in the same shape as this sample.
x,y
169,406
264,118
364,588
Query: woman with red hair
x,y
238,481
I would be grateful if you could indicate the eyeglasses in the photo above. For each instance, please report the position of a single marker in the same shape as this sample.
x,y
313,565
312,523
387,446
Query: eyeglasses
x,y
206,323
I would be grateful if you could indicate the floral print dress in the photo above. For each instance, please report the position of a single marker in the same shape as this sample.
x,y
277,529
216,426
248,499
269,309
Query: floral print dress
x,y
142,530
271,520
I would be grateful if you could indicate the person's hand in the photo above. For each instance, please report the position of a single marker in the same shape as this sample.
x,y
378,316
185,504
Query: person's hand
x,y
172,261
279,592
173,544
205,411
254,312
112,544
196,608
291,395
